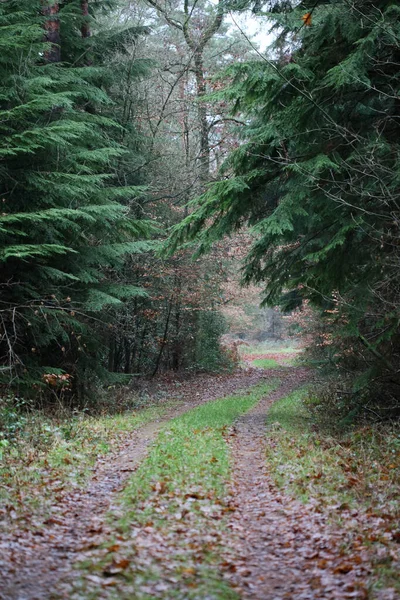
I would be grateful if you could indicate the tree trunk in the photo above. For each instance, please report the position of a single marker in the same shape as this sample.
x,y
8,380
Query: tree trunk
x,y
176,354
127,348
141,349
85,29
111,355
118,355
204,156
52,31
164,340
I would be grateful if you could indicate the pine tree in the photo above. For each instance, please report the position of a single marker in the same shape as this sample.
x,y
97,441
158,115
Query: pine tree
x,y
316,177
66,223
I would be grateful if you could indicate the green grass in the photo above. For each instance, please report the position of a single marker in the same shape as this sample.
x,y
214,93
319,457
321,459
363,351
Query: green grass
x,y
357,470
298,461
265,363
290,413
269,347
192,449
179,496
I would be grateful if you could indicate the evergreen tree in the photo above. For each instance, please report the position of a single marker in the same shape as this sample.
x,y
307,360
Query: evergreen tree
x,y
66,221
316,176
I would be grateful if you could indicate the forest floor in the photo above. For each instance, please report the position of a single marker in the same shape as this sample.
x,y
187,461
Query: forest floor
x,y
221,490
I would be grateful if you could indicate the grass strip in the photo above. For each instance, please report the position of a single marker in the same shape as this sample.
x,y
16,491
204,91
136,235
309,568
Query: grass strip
x,y
265,363
169,526
354,476
268,348
299,461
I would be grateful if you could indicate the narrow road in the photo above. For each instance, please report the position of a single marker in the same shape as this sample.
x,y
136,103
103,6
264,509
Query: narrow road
x,y
40,564
275,547
34,564
285,550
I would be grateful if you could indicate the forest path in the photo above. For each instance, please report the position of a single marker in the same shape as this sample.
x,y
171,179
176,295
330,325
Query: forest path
x,y
268,545
285,550
33,563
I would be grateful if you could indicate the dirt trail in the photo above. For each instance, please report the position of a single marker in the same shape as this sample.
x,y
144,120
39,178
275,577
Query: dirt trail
x,y
285,550
33,564
42,562
276,547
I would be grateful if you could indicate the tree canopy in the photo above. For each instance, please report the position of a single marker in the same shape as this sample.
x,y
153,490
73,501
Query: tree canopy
x,y
316,177
102,142
65,218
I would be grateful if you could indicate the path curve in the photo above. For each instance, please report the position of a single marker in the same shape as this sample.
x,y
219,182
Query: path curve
x,y
33,565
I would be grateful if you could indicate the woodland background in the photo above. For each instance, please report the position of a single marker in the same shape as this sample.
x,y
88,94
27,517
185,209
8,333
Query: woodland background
x,y
121,120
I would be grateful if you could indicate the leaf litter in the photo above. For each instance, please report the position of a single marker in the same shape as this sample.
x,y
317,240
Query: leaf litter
x,y
38,548
258,538
286,549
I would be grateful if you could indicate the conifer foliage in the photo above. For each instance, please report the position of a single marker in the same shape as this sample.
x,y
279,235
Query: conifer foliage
x,y
316,176
65,223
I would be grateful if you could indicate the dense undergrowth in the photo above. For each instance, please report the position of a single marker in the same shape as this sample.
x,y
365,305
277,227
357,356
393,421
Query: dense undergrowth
x,y
353,473
175,504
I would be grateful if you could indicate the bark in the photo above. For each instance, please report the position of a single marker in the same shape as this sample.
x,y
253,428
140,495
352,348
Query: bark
x,y
127,352
111,355
52,31
183,82
141,348
85,29
164,340
177,350
204,155
197,47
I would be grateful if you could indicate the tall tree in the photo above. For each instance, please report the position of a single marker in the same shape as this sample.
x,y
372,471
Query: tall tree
x,y
198,25
316,174
65,223
85,27
52,30
164,330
